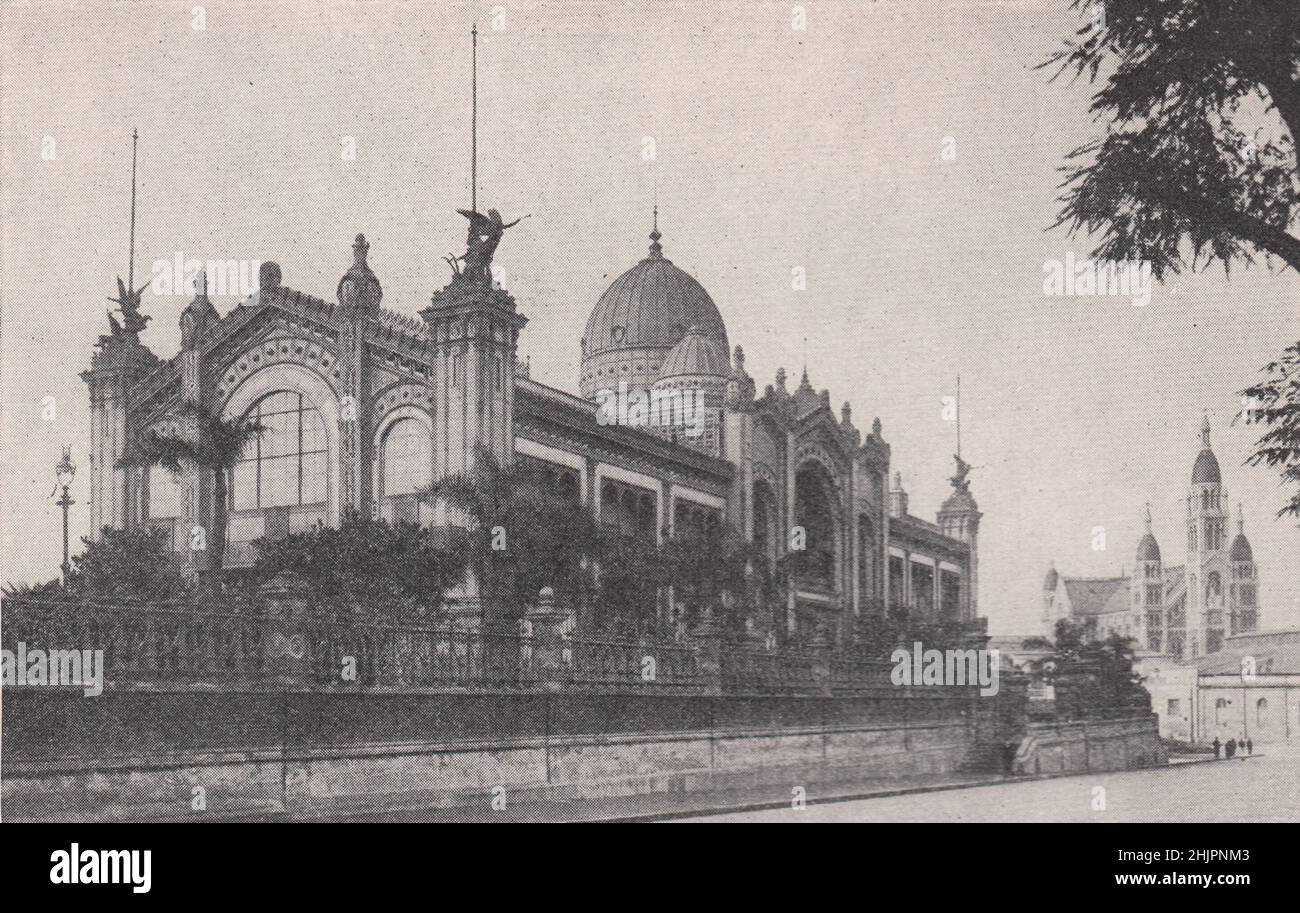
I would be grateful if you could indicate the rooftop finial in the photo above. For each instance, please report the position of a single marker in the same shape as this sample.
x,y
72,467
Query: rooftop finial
x,y
656,249
359,248
1146,516
1205,430
1241,520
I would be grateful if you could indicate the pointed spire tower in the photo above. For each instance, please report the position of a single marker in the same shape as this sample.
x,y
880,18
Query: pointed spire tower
x,y
1147,586
1243,590
1207,524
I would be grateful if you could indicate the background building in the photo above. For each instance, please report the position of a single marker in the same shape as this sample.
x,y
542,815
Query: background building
x,y
1184,611
1249,689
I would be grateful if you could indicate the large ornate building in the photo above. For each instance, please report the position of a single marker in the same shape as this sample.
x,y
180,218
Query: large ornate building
x,y
1184,611
363,406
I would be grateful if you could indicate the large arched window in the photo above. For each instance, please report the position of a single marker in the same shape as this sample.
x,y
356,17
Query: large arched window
x,y
406,456
286,465
1261,712
815,513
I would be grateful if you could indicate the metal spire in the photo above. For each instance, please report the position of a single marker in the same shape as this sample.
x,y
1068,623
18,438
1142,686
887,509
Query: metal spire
x,y
959,416
473,141
130,267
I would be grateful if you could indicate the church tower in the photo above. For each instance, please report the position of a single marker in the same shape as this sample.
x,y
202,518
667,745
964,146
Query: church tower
x,y
1148,591
1243,586
1207,553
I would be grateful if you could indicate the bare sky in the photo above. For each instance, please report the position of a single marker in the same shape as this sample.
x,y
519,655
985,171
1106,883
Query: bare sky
x,y
776,148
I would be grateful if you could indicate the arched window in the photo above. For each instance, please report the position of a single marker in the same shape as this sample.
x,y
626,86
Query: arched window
x,y
286,465
628,510
407,460
815,512
1219,707
1213,585
1261,712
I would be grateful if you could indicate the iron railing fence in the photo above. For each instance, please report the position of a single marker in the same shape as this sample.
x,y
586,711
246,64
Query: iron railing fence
x,y
160,644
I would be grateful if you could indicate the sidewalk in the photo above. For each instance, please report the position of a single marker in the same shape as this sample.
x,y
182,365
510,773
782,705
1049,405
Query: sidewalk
x,y
669,806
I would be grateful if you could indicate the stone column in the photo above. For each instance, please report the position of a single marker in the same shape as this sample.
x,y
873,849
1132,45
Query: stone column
x,y
285,599
819,647
708,653
542,648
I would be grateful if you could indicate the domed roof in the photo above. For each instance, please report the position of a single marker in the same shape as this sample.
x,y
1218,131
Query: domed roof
x,y
1206,469
651,306
1051,578
1240,550
1148,548
695,354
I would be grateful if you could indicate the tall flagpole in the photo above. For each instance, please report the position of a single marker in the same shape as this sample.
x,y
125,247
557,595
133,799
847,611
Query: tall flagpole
x,y
473,140
958,416
130,267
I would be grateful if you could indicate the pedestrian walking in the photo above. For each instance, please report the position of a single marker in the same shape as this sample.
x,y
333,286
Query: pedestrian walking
x,y
1250,747
1230,749
1217,747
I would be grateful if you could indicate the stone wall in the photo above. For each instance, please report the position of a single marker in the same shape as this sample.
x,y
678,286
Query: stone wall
x,y
141,755
1095,745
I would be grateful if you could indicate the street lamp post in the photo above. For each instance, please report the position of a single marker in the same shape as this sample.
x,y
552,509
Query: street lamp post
x,y
64,471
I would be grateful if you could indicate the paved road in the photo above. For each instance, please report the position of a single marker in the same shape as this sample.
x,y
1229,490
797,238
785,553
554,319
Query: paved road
x,y
1263,788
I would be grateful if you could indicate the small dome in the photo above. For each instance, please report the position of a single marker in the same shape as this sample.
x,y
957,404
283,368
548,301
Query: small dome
x,y
359,289
1240,550
1148,548
696,354
1206,469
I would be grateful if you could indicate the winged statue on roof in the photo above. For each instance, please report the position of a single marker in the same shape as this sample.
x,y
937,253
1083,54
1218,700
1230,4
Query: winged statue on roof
x,y
485,233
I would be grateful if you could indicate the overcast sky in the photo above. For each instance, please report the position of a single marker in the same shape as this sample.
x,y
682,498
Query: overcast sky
x,y
775,148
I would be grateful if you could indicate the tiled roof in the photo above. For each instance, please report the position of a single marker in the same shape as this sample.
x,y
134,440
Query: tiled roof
x,y
1097,595
1270,659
